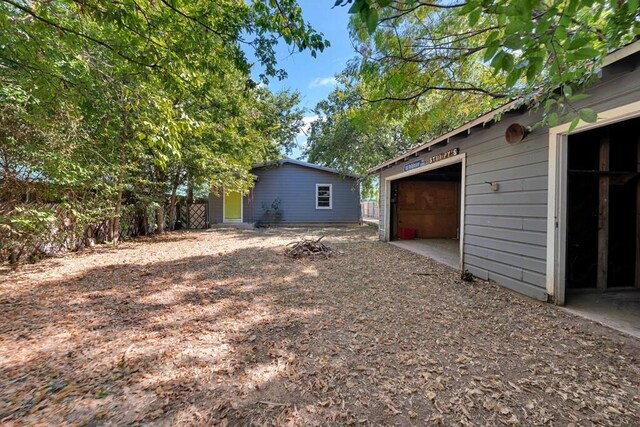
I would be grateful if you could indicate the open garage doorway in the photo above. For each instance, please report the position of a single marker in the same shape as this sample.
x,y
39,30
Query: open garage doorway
x,y
425,213
427,205
602,265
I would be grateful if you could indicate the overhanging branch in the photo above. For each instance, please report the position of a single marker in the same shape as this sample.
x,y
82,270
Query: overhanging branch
x,y
413,97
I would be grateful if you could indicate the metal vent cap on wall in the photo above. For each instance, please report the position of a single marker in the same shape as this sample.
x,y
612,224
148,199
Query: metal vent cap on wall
x,y
515,133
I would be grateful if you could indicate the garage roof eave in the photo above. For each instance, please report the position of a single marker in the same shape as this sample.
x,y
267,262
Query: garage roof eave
x,y
482,120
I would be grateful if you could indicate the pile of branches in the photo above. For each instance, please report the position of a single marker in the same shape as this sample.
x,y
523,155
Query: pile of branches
x,y
308,248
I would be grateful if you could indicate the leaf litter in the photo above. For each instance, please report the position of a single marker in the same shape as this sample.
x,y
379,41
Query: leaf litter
x,y
218,328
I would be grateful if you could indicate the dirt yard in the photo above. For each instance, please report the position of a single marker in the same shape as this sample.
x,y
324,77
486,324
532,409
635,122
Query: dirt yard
x,y
218,328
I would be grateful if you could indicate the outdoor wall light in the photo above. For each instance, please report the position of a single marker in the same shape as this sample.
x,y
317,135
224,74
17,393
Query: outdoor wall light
x,y
494,185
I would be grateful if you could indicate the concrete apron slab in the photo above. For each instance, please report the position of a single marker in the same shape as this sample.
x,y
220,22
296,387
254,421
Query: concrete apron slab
x,y
619,310
444,251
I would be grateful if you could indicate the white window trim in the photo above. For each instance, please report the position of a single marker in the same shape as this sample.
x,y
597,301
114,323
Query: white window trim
x,y
330,196
557,193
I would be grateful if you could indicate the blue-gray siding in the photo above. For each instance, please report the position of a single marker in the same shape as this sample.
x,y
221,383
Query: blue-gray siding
x,y
505,231
295,186
215,209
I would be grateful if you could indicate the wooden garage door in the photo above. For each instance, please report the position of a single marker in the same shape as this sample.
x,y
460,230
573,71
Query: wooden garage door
x,y
432,208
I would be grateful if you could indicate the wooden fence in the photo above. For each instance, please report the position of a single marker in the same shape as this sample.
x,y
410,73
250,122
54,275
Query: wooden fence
x,y
370,209
63,234
192,216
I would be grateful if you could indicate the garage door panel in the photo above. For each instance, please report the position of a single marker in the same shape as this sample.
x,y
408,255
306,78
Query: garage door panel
x,y
431,208
429,226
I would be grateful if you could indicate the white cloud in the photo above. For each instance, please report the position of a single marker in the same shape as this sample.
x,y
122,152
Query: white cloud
x,y
322,81
306,125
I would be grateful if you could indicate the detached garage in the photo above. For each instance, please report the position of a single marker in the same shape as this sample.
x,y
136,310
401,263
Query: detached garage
x,y
543,212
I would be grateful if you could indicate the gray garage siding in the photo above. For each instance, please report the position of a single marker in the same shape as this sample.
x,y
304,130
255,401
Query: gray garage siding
x,y
505,231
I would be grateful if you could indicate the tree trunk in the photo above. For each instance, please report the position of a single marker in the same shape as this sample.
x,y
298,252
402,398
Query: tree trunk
x,y
189,202
160,177
115,221
145,224
71,236
160,219
14,256
114,229
172,201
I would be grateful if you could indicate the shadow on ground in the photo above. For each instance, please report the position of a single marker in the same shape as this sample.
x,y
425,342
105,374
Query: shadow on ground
x,y
222,329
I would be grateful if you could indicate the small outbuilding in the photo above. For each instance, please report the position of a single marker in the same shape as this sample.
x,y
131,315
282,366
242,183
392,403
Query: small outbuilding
x,y
545,212
293,192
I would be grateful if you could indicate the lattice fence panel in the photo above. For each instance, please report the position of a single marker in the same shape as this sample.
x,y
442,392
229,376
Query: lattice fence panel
x,y
128,225
193,216
198,213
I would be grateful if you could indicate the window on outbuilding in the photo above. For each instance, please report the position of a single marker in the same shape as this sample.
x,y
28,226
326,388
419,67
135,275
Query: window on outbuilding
x,y
323,196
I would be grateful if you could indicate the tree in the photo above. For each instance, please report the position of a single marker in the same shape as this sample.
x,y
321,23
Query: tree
x,y
127,100
427,67
345,138
216,157
497,49
354,133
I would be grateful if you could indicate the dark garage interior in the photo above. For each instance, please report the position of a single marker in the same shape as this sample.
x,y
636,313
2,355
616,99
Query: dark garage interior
x,y
603,224
427,205
602,207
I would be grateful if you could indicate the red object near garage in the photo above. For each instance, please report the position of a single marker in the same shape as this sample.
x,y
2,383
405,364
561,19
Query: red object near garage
x,y
407,233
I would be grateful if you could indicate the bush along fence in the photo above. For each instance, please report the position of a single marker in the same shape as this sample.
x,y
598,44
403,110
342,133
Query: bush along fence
x,y
37,230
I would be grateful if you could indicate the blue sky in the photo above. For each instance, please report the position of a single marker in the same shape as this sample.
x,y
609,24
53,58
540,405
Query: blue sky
x,y
313,77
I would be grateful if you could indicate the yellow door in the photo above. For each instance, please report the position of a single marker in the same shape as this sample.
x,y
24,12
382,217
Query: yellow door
x,y
232,206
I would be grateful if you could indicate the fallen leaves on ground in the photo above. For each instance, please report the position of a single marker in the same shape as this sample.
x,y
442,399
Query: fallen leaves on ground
x,y
219,328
